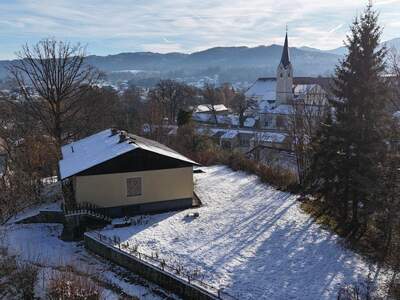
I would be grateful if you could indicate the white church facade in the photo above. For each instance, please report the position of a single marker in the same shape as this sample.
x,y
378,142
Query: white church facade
x,y
277,98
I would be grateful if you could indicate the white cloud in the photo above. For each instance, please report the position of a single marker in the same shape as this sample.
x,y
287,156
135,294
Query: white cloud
x,y
185,25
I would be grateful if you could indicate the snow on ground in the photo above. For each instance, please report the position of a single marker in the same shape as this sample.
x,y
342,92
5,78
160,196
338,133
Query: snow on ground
x,y
252,240
39,244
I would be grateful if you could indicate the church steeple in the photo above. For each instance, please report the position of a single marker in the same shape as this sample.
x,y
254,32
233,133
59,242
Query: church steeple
x,y
285,60
284,77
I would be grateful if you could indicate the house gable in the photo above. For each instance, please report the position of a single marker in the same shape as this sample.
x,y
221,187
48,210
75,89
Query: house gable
x,y
135,161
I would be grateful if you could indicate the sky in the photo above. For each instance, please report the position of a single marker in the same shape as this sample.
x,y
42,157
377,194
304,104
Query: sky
x,y
115,26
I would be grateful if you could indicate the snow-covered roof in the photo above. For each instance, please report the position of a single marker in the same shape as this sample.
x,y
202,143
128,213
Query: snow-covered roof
x,y
207,131
230,134
270,137
221,119
173,131
396,114
103,146
301,89
249,122
204,108
234,120
264,89
203,117
283,109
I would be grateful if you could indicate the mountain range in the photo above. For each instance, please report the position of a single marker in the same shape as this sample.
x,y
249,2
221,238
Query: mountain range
x,y
230,64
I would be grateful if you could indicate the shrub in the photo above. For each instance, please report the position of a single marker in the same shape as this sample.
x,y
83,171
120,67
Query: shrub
x,y
394,289
357,291
207,154
17,280
278,177
69,286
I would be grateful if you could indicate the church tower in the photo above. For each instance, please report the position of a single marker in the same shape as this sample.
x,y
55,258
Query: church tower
x,y
284,77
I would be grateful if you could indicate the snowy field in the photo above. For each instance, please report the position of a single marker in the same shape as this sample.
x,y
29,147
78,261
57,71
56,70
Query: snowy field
x,y
251,240
39,244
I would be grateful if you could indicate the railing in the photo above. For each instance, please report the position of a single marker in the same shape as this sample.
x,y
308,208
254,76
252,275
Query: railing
x,y
86,209
191,278
89,213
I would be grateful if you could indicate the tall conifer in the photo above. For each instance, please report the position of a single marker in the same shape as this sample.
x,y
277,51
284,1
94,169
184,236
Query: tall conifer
x,y
350,151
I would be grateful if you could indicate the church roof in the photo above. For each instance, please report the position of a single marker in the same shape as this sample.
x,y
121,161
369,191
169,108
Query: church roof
x,y
263,89
285,60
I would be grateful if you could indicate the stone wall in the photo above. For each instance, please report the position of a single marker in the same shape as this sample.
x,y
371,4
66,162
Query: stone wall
x,y
152,273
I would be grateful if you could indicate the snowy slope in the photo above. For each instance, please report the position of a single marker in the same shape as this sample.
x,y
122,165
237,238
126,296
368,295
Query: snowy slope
x,y
39,244
251,239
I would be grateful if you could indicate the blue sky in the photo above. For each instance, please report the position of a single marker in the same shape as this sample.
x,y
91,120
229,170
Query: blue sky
x,y
113,26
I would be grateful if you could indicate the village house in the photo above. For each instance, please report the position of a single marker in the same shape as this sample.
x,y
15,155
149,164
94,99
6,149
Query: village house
x,y
207,113
219,114
123,174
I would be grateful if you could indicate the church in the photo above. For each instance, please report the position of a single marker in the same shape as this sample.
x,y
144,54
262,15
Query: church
x,y
277,98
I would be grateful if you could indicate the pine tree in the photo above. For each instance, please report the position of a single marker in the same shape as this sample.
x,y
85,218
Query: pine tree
x,y
350,152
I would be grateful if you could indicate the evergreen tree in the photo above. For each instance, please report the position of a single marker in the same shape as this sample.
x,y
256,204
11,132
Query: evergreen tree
x,y
351,150
184,117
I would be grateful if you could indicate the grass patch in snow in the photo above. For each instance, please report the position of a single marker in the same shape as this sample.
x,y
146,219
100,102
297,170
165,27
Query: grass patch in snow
x,y
317,211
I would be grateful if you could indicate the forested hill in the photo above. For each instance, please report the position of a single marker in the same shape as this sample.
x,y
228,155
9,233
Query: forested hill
x,y
230,63
213,60
306,62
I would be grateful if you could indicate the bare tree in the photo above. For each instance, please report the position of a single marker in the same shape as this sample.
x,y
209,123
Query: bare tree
x,y
52,77
308,111
394,79
131,109
240,105
212,97
28,159
172,96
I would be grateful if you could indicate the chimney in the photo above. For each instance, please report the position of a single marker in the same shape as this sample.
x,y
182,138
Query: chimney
x,y
122,137
114,131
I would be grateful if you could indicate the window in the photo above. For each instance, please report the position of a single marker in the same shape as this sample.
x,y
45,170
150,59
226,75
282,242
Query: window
x,y
134,187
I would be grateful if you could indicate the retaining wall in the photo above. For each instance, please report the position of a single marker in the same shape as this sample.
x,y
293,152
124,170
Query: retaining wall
x,y
152,273
45,216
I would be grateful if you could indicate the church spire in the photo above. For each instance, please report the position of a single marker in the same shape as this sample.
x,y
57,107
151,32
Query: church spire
x,y
285,60
284,77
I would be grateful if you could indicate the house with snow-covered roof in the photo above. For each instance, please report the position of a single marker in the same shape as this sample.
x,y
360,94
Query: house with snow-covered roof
x,y
277,97
208,108
124,174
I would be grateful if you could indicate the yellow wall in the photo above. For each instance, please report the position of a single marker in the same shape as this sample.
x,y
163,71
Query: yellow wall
x,y
110,189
